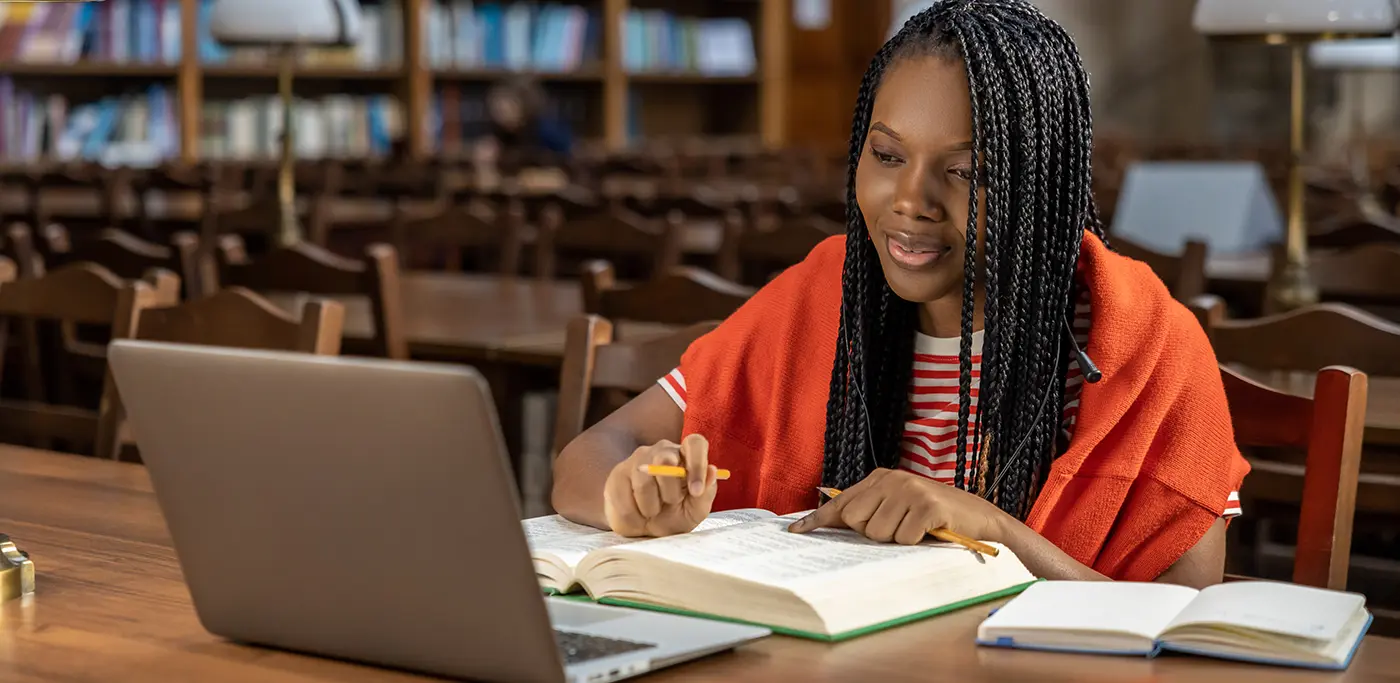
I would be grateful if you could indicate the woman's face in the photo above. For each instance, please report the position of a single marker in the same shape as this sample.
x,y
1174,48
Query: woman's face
x,y
506,110
913,177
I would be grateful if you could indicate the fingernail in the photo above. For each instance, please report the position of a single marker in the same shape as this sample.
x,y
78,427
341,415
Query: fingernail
x,y
799,525
697,488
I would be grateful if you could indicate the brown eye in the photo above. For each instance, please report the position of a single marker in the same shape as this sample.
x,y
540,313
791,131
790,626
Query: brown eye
x,y
964,172
883,158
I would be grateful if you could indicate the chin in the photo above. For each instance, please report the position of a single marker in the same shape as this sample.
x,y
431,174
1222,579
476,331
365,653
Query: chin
x,y
923,287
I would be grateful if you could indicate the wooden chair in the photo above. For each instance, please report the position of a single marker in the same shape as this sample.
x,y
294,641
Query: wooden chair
x,y
1302,340
131,257
594,362
465,225
314,270
1329,426
232,317
1184,273
1363,276
82,293
611,232
759,249
682,296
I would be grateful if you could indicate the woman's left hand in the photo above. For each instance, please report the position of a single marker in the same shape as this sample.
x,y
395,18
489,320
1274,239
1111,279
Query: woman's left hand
x,y
894,505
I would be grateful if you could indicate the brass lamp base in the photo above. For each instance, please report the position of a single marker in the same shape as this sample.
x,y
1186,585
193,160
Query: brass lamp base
x,y
1292,288
16,571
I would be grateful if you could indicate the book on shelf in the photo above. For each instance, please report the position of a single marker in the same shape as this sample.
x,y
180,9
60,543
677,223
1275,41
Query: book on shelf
x,y
510,36
335,126
136,129
116,31
659,41
380,44
1256,621
745,566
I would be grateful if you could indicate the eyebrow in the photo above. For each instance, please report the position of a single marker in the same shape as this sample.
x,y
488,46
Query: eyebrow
x,y
885,129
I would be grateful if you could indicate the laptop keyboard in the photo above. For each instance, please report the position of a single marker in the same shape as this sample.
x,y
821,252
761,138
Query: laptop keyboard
x,y
579,647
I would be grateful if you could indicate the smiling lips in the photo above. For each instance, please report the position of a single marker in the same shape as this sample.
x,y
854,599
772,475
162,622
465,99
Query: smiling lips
x,y
915,251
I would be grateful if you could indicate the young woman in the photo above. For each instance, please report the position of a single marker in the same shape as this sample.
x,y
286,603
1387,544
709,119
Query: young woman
x,y
933,361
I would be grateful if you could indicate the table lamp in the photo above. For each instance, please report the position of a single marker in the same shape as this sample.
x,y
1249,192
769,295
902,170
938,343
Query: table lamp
x,y
1295,23
286,26
1358,58
16,571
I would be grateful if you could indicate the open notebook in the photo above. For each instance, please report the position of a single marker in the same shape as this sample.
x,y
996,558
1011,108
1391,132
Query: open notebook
x,y
828,584
1258,621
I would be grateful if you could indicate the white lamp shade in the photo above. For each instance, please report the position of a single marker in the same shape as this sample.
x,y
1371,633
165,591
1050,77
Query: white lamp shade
x,y
284,22
1251,17
1357,55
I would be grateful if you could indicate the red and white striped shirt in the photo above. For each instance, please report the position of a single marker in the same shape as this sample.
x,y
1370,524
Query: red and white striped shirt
x,y
929,447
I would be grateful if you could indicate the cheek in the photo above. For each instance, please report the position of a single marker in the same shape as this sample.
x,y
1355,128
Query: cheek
x,y
873,189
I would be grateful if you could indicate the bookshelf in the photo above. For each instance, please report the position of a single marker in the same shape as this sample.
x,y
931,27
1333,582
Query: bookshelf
x,y
619,70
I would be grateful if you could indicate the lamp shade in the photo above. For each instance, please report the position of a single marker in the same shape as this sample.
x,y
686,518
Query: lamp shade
x,y
1253,17
285,22
1357,55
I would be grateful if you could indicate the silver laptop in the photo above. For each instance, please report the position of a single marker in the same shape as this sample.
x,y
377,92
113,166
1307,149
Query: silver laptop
x,y
365,510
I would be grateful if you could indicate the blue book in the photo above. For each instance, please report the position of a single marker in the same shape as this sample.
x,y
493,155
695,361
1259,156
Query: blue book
x,y
1263,622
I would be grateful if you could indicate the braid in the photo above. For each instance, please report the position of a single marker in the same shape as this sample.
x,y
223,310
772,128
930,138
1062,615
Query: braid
x,y
1032,142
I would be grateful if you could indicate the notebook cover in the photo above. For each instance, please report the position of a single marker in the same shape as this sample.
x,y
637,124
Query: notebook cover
x,y
1011,643
1186,649
847,635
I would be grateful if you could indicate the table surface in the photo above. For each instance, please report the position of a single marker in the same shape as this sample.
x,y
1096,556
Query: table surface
x,y
111,606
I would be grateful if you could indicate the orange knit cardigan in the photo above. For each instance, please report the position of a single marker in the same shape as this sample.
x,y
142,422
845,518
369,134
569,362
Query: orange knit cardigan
x,y
1148,471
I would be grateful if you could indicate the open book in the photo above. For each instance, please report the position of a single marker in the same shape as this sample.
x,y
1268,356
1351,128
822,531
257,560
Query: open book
x,y
827,584
1259,621
558,545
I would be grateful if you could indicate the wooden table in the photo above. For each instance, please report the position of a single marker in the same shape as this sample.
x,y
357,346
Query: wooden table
x,y
111,606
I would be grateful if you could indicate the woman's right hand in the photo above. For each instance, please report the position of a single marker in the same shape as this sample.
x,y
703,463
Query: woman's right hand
x,y
639,504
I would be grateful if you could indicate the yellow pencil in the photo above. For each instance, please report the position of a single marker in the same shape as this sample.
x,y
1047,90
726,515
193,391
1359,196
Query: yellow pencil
x,y
674,471
941,533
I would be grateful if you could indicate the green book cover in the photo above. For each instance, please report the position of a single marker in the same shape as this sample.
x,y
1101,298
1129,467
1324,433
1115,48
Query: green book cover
x,y
847,635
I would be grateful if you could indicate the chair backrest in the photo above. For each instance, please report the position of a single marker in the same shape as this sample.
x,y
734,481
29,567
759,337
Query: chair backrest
x,y
127,255
783,242
238,318
1359,275
465,224
682,296
1329,427
1184,273
312,269
81,293
1306,339
593,361
131,257
607,232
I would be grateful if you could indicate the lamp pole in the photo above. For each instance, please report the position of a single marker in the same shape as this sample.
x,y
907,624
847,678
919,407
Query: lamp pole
x,y
288,229
1294,287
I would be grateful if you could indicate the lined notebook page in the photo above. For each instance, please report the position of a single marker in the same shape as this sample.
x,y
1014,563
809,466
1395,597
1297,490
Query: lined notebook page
x,y
1288,609
1140,609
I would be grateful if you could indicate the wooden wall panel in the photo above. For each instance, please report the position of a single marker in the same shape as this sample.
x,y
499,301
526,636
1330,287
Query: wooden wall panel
x,y
826,66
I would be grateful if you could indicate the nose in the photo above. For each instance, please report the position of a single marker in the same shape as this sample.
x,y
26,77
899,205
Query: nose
x,y
915,198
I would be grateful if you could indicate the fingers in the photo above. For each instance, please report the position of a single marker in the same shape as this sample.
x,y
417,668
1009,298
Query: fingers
x,y
828,515
647,492
672,489
695,453
911,529
884,522
697,508
620,507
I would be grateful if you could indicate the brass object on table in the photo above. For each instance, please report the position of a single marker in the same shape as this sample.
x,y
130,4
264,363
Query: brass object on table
x,y
16,571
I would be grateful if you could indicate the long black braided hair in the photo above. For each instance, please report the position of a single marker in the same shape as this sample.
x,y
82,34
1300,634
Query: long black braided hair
x,y
1032,142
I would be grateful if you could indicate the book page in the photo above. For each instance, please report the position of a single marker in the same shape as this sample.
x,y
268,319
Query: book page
x,y
1282,608
570,542
1140,609
766,552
